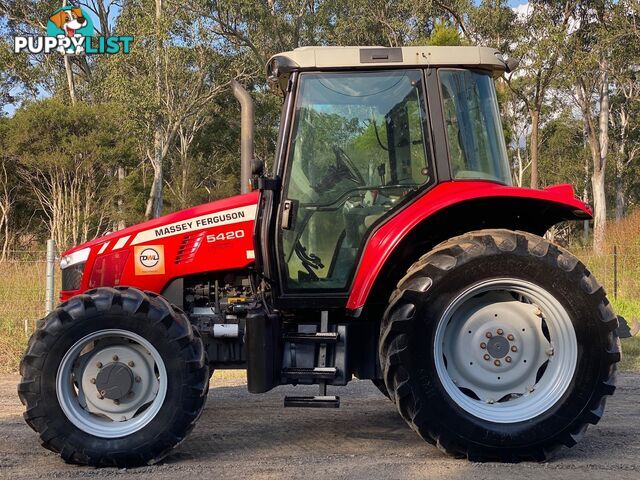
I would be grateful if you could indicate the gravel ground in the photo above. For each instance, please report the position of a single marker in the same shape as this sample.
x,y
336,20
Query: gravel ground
x,y
252,436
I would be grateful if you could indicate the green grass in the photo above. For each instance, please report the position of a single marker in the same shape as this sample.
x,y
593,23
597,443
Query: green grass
x,y
629,309
22,290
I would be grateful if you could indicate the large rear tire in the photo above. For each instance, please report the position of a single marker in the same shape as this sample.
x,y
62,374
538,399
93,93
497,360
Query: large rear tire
x,y
114,377
498,345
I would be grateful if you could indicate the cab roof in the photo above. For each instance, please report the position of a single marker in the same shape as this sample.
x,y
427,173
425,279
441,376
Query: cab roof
x,y
281,65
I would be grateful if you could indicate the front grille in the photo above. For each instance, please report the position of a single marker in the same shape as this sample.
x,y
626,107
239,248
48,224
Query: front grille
x,y
72,276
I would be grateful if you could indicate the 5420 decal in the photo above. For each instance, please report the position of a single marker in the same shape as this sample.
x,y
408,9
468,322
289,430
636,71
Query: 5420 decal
x,y
219,237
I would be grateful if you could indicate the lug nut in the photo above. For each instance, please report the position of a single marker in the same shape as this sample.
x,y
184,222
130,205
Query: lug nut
x,y
497,363
93,380
488,335
486,357
538,312
483,345
115,358
530,388
100,396
514,348
490,401
99,364
103,392
549,351
123,418
131,364
500,331
507,359
138,379
116,401
510,337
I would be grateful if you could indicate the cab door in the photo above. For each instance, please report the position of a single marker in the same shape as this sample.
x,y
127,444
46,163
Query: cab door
x,y
359,148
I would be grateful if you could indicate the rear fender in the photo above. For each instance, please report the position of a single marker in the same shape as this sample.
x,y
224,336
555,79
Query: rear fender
x,y
448,210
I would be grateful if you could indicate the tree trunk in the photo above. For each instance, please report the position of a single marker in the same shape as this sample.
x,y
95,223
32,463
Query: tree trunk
x,y
69,71
154,204
121,174
535,128
619,185
70,81
600,210
585,198
598,180
598,140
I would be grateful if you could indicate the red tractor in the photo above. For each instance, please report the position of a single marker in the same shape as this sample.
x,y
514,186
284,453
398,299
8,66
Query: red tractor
x,y
388,243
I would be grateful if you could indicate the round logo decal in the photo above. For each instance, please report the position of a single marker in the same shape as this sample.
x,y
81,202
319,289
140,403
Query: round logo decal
x,y
149,257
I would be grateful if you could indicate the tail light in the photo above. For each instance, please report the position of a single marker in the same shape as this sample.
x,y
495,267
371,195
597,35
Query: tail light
x,y
107,269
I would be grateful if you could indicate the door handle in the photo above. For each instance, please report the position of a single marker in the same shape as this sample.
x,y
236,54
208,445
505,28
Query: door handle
x,y
288,214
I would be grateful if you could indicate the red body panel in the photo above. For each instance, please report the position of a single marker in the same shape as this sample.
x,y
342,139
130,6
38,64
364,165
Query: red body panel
x,y
196,240
382,243
191,246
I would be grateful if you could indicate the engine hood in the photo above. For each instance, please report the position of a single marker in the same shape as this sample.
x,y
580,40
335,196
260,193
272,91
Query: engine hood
x,y
135,233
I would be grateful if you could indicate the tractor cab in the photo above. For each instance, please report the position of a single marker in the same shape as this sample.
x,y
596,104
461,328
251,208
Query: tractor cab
x,y
365,131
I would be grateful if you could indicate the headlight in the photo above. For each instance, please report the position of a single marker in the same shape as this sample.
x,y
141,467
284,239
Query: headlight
x,y
74,258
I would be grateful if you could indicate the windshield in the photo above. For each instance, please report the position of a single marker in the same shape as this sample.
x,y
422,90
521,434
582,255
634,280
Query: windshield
x,y
476,143
358,148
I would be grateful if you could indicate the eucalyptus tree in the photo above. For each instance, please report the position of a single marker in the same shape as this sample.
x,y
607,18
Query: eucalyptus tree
x,y
540,31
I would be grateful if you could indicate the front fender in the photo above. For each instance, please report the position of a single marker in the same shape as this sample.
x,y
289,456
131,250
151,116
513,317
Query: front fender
x,y
450,209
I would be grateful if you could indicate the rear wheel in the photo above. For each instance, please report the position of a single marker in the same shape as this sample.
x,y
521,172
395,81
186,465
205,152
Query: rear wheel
x,y
499,345
114,377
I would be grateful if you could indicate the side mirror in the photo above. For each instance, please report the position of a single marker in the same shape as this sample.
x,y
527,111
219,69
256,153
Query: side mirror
x,y
512,63
257,167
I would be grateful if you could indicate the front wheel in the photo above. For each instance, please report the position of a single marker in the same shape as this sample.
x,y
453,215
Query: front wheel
x,y
499,345
114,377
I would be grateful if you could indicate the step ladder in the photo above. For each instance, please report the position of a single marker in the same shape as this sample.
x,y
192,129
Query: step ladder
x,y
320,373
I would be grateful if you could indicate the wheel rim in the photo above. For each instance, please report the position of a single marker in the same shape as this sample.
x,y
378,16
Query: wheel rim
x,y
111,383
505,350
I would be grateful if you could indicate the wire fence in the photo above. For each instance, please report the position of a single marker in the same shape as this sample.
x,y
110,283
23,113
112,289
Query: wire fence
x,y
23,287
23,290
617,270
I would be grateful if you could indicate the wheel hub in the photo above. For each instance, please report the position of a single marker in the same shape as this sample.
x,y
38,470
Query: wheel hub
x,y
498,347
114,381
117,380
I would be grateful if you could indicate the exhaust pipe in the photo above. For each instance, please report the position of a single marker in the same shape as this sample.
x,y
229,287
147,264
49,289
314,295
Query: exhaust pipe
x,y
246,133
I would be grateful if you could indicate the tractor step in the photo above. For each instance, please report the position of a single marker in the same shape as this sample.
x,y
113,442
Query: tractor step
x,y
318,401
316,373
317,337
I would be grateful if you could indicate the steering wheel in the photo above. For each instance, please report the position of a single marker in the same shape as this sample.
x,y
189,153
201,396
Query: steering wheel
x,y
344,162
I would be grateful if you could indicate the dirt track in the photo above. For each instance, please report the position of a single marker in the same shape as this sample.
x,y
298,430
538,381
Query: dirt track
x,y
251,436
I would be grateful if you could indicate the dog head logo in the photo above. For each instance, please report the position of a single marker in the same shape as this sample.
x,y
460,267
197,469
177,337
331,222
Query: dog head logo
x,y
70,22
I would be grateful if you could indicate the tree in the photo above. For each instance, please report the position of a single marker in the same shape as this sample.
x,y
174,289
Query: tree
x,y
588,54
68,168
176,73
540,30
625,105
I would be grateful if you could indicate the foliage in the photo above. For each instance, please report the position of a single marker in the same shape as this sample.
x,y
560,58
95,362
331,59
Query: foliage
x,y
169,98
66,156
